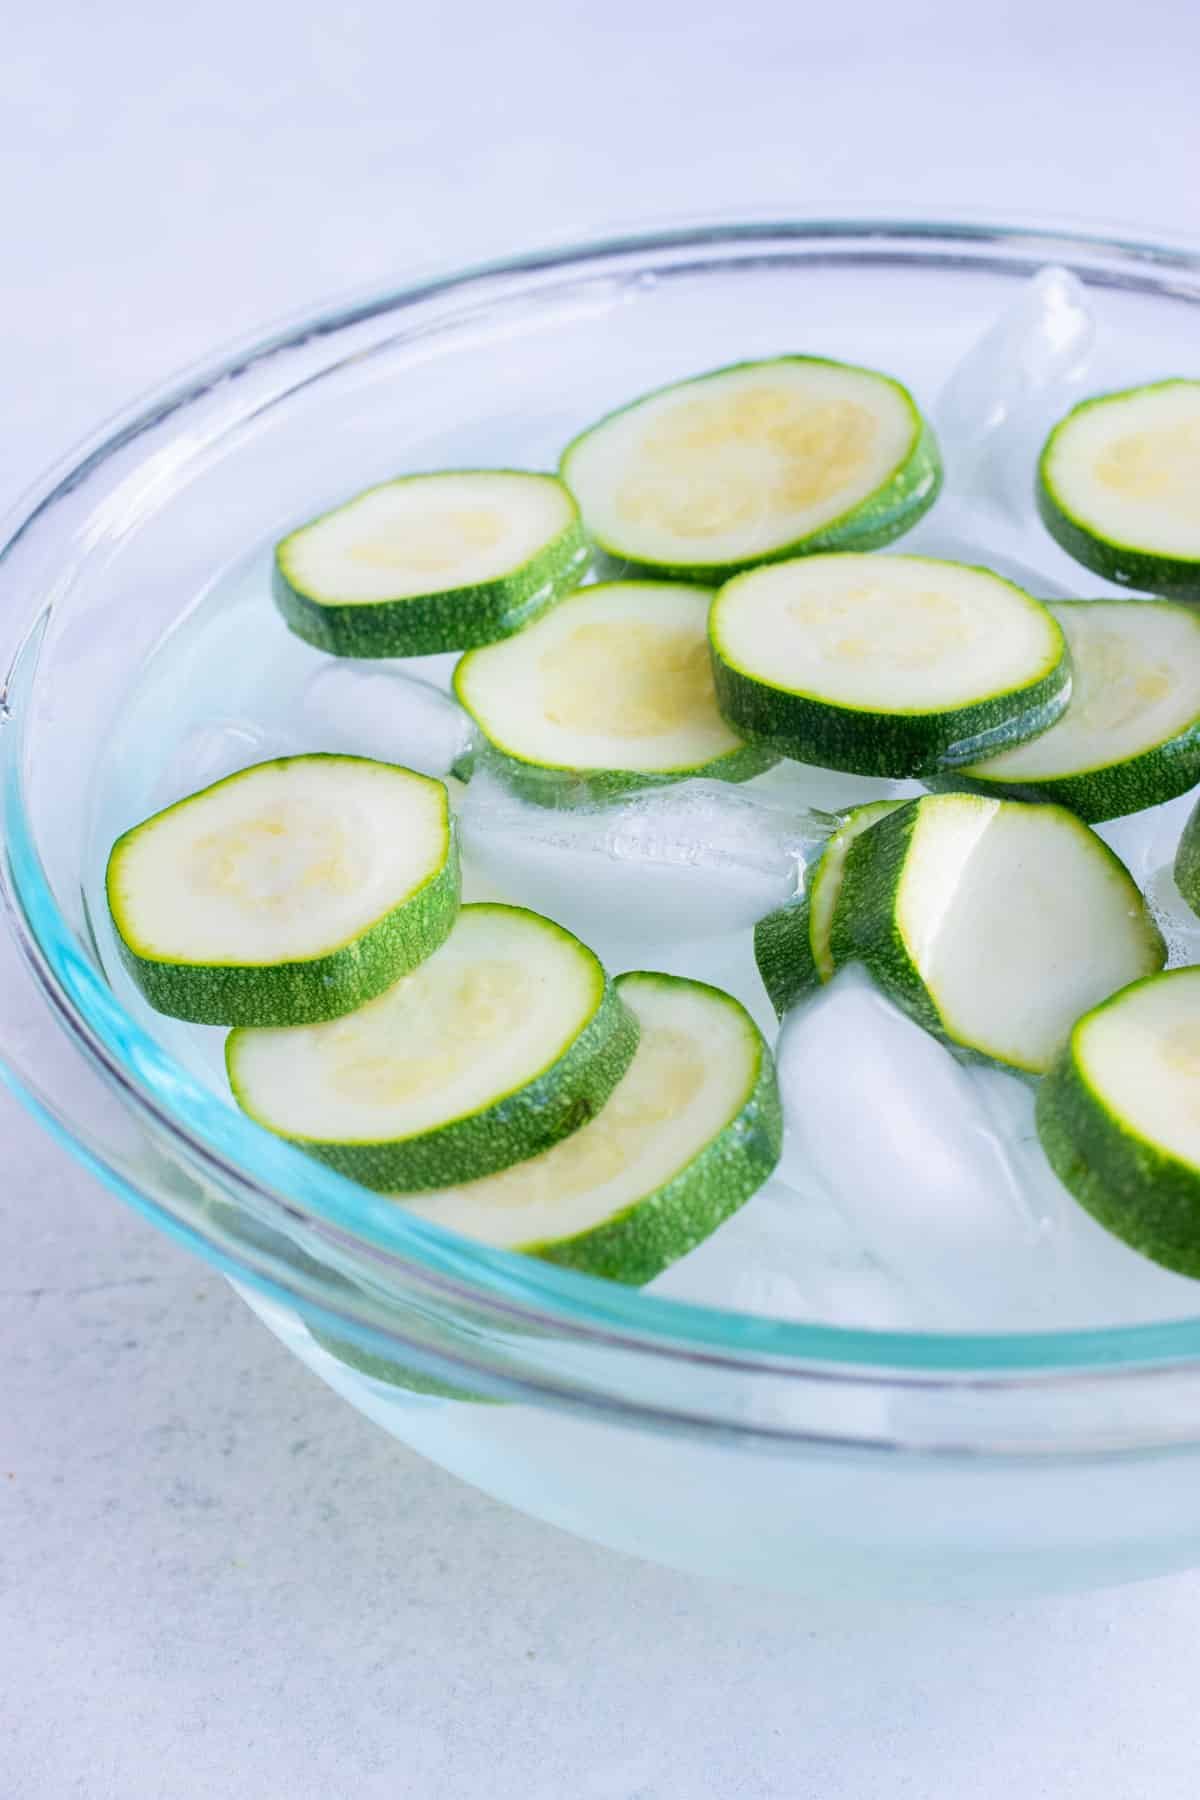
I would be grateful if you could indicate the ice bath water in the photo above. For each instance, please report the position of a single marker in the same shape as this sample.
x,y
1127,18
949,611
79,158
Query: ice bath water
x,y
913,1192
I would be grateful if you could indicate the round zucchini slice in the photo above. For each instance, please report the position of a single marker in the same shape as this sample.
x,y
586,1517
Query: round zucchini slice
x,y
754,462
885,665
691,1130
431,563
507,1039
288,893
1118,1119
611,692
1118,486
1130,737
994,924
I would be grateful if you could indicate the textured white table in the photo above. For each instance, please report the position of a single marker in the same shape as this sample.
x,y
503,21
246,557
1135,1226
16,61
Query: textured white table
x,y
214,1578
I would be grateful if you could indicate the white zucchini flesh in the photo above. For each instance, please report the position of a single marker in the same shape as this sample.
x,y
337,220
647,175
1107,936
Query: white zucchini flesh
x,y
735,465
503,998
1141,1057
616,677
1126,468
1135,684
697,1067
893,634
428,533
1018,919
282,862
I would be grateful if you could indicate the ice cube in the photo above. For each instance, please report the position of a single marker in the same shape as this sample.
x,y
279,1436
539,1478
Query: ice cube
x,y
1087,1277
994,411
789,1255
219,748
799,784
937,1167
385,713
697,859
885,1119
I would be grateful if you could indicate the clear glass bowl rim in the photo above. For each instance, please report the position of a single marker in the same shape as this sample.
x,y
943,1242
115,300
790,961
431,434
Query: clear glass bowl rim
x,y
207,1132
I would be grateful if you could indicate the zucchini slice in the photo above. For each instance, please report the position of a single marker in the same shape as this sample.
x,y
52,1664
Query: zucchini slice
x,y
885,665
992,923
288,893
693,1128
1130,737
610,692
754,462
1118,486
1187,860
1118,1119
431,563
791,944
504,1041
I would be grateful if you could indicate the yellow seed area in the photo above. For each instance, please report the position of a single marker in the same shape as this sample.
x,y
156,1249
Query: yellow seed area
x,y
279,859
666,1075
427,546
716,464
1180,1055
862,625
1110,688
421,1033
628,678
1162,466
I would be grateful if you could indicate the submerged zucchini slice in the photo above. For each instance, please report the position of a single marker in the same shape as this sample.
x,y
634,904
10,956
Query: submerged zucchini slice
x,y
693,1128
993,923
754,462
431,563
504,1041
610,692
289,893
885,665
1118,1119
1130,737
791,944
1118,486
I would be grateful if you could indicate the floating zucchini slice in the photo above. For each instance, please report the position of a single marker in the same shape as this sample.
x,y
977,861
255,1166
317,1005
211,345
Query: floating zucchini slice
x,y
1119,487
610,692
995,924
289,893
506,1040
885,665
755,462
691,1130
431,563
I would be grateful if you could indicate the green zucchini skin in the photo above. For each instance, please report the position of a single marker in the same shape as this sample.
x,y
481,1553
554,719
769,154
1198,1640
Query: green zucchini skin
x,y
1147,1198
308,991
898,745
865,927
783,939
880,518
1158,775
660,1227
556,1102
1145,571
558,786
461,618
1187,860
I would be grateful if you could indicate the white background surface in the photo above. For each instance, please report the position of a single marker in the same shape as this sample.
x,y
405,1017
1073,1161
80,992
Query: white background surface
x,y
214,1578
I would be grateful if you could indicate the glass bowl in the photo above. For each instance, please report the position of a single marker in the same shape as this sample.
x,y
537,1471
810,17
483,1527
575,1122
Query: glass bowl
x,y
806,1457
